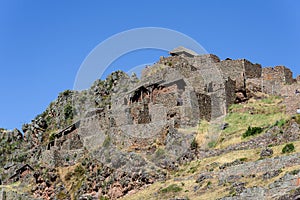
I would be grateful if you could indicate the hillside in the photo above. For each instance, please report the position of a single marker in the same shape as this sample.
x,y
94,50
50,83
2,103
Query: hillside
x,y
192,127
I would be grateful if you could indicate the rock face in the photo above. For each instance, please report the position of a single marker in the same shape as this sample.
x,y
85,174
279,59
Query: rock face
x,y
125,133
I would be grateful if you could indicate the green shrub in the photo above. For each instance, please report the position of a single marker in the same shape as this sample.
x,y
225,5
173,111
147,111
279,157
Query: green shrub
x,y
212,144
243,159
68,111
209,183
20,158
66,92
171,188
280,123
295,172
252,131
288,148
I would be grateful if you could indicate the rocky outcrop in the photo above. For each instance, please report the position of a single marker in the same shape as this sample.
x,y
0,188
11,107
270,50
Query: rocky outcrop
x,y
125,133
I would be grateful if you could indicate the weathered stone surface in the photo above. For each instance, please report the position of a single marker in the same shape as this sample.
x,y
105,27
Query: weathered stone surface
x,y
271,174
124,132
203,177
266,152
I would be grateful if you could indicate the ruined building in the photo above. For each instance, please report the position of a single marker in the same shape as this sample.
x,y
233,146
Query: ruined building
x,y
178,92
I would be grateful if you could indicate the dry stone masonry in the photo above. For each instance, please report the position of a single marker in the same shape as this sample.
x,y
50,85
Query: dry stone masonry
x,y
177,91
125,133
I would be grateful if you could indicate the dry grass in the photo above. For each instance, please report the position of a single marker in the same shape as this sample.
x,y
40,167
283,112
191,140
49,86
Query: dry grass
x,y
71,181
256,113
207,134
187,174
12,187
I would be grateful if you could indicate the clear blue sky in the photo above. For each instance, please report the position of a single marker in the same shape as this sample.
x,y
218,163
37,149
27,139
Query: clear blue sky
x,y
43,43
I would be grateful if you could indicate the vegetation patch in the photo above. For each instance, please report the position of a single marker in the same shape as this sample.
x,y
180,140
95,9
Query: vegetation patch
x,y
212,144
271,99
295,172
264,113
252,131
171,188
68,111
280,123
72,177
288,148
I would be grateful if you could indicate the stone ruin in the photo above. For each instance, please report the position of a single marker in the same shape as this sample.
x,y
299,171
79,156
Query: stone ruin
x,y
274,77
142,116
176,92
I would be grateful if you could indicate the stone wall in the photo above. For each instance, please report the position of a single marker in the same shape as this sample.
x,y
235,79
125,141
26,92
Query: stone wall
x,y
252,70
230,92
236,68
207,58
279,74
51,158
190,112
205,108
69,142
58,158
178,91
232,68
240,70
165,96
157,112
140,114
274,77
